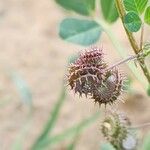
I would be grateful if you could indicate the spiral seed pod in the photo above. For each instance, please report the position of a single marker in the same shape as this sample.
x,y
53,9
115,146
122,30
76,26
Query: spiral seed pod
x,y
110,89
90,75
114,129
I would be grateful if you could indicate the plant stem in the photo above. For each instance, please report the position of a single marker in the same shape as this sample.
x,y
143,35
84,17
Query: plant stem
x,y
133,57
142,37
123,61
140,125
120,49
132,40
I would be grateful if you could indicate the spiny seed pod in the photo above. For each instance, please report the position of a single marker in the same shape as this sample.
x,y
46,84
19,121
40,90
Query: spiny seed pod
x,y
114,129
110,89
93,56
90,75
87,71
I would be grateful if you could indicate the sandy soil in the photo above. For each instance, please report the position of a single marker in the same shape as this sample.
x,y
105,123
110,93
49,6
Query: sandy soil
x,y
31,47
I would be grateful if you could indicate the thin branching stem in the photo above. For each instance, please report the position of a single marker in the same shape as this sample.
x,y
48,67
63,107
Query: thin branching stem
x,y
140,126
142,37
133,57
123,61
132,40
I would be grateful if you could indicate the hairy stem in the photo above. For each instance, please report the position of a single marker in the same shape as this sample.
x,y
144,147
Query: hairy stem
x,y
133,57
120,49
123,61
142,36
140,126
132,40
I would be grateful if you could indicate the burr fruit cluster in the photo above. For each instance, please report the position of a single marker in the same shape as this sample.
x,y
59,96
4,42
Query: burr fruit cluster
x,y
116,130
90,75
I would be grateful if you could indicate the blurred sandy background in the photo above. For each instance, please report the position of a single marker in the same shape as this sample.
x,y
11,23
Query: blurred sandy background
x,y
30,46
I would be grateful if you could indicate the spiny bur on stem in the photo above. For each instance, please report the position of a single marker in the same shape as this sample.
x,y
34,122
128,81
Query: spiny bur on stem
x,y
90,75
115,128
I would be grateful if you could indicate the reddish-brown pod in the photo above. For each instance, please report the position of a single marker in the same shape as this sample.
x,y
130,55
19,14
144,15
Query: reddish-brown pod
x,y
90,75
111,88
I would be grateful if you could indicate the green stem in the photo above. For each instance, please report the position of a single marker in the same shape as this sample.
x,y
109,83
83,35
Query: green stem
x,y
140,126
142,37
117,44
138,56
132,40
123,61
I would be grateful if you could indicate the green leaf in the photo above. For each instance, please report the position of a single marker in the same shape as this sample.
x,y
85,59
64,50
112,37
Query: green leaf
x,y
22,87
84,7
146,143
123,53
71,132
83,32
109,10
51,120
132,21
72,145
19,142
147,15
106,146
135,5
